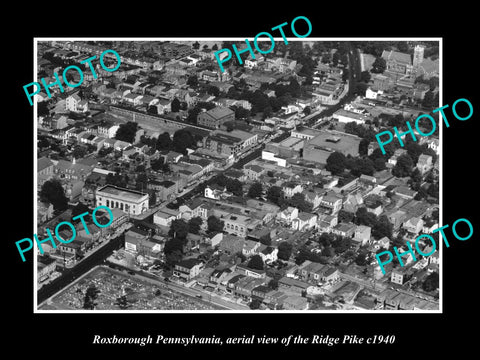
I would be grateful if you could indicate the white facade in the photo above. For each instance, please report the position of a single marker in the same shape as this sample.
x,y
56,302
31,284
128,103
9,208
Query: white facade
x,y
129,201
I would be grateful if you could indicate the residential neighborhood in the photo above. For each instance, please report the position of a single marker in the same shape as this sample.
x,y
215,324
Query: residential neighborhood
x,y
258,188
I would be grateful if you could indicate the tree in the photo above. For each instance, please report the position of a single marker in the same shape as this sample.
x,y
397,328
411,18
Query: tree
x,y
213,90
52,192
205,47
126,132
178,229
284,250
152,109
336,163
194,224
122,302
431,282
255,304
255,262
192,81
345,216
341,244
214,224
266,239
42,109
215,47
383,227
379,164
403,167
307,111
79,152
298,201
255,190
361,259
379,65
275,194
273,284
175,105
364,217
164,142
429,100
365,76
361,88
328,251
234,186
196,45
90,296
183,139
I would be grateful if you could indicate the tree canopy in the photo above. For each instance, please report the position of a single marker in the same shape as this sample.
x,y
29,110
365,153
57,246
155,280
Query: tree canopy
x,y
126,132
256,262
336,163
52,192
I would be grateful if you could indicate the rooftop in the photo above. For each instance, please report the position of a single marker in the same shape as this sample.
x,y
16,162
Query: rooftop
x,y
118,192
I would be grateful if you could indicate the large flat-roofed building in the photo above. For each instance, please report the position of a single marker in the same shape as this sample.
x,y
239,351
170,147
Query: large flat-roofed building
x,y
326,142
129,201
230,143
215,117
288,148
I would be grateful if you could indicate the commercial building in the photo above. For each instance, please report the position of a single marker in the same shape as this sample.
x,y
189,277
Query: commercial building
x,y
130,201
327,142
215,117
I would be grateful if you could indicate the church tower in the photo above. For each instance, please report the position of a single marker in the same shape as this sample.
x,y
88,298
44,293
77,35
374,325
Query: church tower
x,y
418,55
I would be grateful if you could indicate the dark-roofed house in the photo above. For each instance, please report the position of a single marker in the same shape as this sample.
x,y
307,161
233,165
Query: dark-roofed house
x,y
253,172
187,269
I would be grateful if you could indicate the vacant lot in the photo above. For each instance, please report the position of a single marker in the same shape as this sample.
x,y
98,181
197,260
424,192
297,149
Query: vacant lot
x,y
112,285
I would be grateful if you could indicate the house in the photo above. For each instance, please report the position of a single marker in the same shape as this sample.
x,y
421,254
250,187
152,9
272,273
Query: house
x,y
362,234
76,104
253,172
44,212
331,274
165,216
269,254
250,248
400,276
290,188
332,203
287,215
413,225
344,229
305,221
292,285
164,106
424,163
352,202
312,271
187,269
404,192
45,267
314,197
244,270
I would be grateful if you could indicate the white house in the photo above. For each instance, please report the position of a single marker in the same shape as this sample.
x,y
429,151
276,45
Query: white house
x,y
165,216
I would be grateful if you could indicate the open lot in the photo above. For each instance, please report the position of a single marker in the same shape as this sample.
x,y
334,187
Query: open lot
x,y
112,284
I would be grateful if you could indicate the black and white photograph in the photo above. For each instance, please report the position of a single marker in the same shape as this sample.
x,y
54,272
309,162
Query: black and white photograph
x,y
260,187
218,180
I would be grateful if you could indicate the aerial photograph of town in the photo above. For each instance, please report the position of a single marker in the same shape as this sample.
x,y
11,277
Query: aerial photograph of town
x,y
262,187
